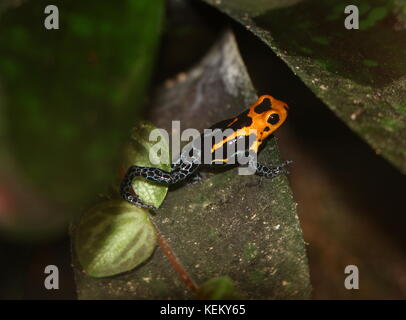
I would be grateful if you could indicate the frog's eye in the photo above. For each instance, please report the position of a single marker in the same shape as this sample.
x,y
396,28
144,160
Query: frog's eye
x,y
273,118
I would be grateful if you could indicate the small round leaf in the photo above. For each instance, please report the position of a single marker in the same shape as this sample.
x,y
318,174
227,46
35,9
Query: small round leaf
x,y
138,152
113,237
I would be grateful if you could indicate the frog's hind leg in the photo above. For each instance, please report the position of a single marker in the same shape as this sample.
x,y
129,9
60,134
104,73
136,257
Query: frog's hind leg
x,y
181,172
151,174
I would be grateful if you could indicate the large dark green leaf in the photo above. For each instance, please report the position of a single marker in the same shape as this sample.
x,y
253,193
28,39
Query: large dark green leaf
x,y
68,100
359,74
228,225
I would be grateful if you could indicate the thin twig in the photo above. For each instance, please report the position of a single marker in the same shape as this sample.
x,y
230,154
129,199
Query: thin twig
x,y
176,264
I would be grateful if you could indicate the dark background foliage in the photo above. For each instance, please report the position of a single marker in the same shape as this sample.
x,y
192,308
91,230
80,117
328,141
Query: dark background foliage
x,y
349,197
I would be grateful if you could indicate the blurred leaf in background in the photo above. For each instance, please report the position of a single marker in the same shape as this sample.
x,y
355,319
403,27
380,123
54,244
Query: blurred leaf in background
x,y
359,74
68,98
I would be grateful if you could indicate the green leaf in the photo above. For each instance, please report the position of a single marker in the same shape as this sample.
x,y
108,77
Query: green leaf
x,y
221,288
138,152
359,74
69,98
113,237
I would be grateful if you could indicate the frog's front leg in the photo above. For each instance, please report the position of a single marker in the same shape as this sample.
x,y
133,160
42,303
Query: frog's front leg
x,y
270,172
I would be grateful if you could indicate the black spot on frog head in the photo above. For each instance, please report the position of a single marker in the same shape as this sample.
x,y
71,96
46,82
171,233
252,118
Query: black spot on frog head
x,y
273,118
265,105
267,129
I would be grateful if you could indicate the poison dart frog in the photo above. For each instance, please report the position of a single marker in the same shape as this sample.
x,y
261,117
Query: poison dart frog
x,y
249,130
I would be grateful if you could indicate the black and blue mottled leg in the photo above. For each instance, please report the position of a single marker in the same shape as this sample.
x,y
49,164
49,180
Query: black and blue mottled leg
x,y
181,171
152,174
270,172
